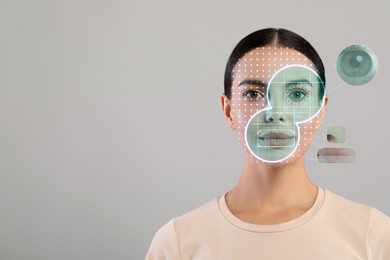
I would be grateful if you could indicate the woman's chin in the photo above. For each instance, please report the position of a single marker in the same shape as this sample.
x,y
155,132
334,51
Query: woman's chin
x,y
273,162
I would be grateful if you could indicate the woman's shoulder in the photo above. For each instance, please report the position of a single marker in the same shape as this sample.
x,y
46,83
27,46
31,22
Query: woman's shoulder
x,y
194,224
356,214
205,213
342,204
198,216
358,222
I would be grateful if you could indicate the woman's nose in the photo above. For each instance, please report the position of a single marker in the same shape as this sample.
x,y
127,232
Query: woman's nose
x,y
273,116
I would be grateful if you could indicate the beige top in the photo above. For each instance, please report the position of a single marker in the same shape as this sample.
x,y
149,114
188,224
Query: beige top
x,y
333,228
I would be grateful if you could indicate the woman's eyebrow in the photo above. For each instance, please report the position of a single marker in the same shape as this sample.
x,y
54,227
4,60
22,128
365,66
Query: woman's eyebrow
x,y
255,82
297,81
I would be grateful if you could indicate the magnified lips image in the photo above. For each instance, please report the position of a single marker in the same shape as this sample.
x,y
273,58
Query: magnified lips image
x,y
276,138
335,155
271,142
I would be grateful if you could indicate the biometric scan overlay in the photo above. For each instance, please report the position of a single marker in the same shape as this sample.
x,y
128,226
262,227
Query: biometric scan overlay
x,y
295,94
250,78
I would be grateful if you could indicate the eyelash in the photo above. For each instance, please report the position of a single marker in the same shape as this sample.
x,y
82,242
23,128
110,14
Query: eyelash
x,y
249,92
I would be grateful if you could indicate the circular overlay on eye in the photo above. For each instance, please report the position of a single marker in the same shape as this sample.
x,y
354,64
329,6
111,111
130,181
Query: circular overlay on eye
x,y
357,65
295,94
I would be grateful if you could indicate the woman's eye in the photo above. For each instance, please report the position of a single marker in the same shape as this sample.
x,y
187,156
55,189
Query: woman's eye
x,y
297,95
253,94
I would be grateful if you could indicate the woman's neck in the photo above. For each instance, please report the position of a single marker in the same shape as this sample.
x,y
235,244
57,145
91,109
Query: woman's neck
x,y
282,192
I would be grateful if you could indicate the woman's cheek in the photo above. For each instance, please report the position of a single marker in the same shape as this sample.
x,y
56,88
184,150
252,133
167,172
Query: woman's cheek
x,y
242,112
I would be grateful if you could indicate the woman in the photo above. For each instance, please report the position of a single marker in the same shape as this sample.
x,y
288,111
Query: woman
x,y
274,100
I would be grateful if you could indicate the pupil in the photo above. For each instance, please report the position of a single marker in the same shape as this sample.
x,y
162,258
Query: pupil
x,y
356,61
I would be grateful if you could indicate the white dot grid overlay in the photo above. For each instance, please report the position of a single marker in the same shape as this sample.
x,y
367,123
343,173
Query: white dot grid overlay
x,y
259,65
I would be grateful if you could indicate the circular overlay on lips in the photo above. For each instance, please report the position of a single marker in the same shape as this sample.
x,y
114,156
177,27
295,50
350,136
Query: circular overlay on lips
x,y
295,94
357,65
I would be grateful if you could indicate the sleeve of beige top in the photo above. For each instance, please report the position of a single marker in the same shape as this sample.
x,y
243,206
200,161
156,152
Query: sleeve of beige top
x,y
378,238
164,244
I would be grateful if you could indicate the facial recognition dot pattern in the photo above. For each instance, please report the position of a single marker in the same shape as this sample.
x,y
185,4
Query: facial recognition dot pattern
x,y
251,76
295,94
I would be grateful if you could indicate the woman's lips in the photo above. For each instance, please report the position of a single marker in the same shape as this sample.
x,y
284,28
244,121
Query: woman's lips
x,y
276,138
335,155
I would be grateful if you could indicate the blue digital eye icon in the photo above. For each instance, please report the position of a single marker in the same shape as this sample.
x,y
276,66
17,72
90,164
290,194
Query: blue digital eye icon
x,y
357,65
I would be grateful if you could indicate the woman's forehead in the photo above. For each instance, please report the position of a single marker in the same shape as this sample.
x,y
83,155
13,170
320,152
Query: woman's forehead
x,y
263,62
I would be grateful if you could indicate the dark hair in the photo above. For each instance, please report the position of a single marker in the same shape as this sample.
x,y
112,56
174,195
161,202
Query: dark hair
x,y
274,37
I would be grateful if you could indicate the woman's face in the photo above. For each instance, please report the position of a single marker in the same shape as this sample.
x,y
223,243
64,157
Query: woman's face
x,y
275,103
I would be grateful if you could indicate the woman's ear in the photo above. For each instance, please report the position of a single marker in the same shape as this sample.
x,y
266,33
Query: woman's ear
x,y
321,114
227,111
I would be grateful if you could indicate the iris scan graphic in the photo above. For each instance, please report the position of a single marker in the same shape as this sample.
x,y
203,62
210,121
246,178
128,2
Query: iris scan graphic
x,y
295,94
357,65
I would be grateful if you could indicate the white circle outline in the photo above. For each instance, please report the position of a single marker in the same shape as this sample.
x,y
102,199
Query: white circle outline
x,y
296,124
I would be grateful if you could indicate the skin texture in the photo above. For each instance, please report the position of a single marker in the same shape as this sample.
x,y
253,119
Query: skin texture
x,y
268,193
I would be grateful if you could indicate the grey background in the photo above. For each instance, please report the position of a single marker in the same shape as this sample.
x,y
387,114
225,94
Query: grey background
x,y
111,124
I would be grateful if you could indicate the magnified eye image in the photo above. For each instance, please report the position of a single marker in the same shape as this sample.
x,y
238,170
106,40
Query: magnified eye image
x,y
357,65
294,94
336,134
296,91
